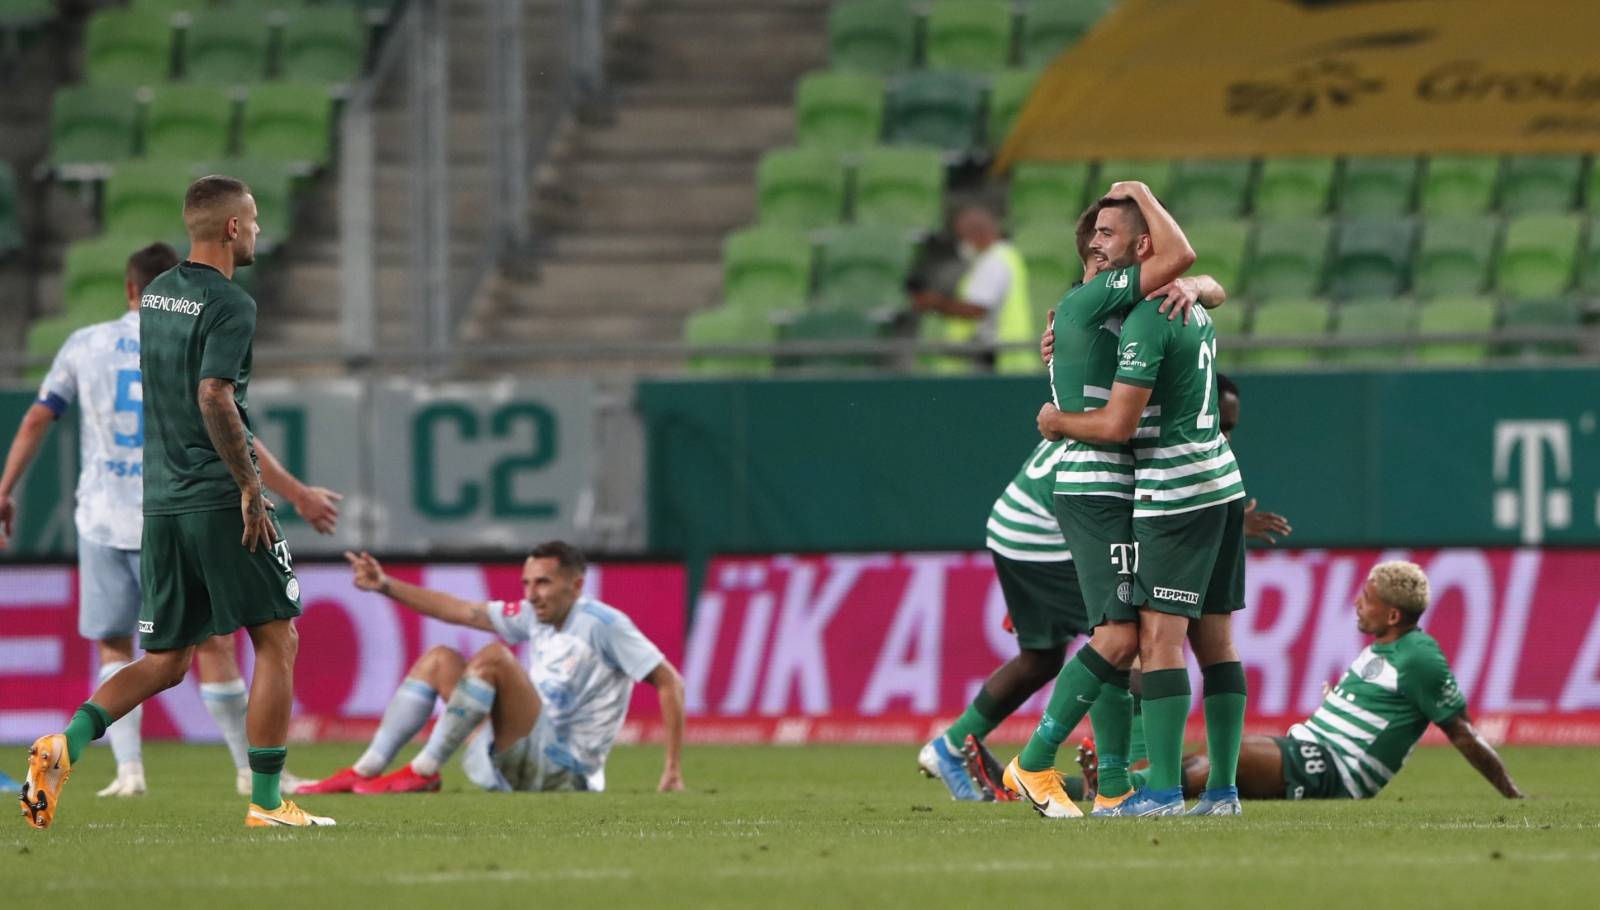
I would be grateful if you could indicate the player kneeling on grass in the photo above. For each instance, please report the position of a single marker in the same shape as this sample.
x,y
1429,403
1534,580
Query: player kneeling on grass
x,y
1368,724
552,723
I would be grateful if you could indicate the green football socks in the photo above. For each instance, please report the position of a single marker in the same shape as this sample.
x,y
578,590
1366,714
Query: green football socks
x,y
1077,686
266,766
88,724
1137,751
1166,709
1224,688
1112,717
980,719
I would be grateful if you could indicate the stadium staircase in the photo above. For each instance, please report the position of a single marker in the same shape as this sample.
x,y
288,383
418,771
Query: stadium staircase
x,y
632,207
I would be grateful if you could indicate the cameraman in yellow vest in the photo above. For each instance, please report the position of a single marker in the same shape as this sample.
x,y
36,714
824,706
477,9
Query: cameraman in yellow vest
x,y
990,304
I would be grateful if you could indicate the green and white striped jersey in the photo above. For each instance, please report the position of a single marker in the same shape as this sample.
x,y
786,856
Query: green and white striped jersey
x,y
1181,460
1369,723
1087,321
1022,524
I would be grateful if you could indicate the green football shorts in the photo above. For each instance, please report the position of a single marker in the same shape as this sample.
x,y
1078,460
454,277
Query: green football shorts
x,y
1099,532
1043,599
1192,563
197,580
1308,772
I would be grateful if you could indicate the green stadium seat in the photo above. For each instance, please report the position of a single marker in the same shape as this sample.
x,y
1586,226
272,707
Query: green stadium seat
x,y
1294,187
1286,319
1539,256
44,339
729,325
188,122
1372,187
1372,257
128,48
864,268
829,325
91,126
800,188
969,35
10,222
840,111
92,276
1540,183
1454,256
324,44
1459,184
288,121
1381,330
271,183
1288,258
1047,193
1051,254
875,36
1560,315
1153,172
1230,321
227,46
1211,188
1051,26
1451,314
145,199
765,269
900,187
1008,95
1220,247
936,109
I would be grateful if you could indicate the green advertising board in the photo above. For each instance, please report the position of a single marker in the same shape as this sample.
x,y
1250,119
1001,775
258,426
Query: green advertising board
x,y
1486,457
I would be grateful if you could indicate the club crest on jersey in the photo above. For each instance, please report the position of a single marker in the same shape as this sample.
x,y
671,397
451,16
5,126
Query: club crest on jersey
x,y
292,589
1125,592
511,608
1117,280
1373,669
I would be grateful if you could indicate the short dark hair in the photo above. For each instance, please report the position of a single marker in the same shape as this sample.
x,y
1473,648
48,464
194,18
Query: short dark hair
x,y
569,557
1226,386
145,264
207,191
1131,209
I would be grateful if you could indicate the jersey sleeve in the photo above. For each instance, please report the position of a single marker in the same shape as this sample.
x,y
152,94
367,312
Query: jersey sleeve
x,y
513,620
1110,293
227,339
1426,681
626,648
1142,346
60,386
989,282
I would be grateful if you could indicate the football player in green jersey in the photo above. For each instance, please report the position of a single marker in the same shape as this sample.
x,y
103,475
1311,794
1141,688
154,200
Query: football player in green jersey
x,y
1137,248
212,558
1360,736
1187,548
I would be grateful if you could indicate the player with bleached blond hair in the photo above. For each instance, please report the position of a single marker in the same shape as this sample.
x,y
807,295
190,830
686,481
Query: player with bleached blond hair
x,y
1364,730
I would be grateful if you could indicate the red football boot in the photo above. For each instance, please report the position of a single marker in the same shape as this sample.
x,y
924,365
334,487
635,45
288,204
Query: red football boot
x,y
342,781
404,780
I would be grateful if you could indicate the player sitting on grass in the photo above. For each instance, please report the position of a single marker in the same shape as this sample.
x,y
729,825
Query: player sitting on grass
x,y
1367,725
552,723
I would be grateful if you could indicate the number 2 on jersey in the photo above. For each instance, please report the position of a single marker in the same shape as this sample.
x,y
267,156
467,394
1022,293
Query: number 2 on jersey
x,y
1208,355
127,380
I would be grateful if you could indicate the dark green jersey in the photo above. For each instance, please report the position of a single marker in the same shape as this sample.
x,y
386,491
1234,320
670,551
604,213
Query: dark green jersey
x,y
1081,371
1370,722
1181,460
194,324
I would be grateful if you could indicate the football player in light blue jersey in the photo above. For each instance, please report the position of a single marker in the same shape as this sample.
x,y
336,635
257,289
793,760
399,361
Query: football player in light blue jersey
x,y
98,368
551,723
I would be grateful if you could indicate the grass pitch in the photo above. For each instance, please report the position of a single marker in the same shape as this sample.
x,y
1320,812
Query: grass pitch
x,y
802,827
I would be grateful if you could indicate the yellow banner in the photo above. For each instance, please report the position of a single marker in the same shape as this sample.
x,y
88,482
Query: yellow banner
x,y
1242,78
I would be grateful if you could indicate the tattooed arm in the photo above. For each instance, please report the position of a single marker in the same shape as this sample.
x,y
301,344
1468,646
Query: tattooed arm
x,y
232,444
